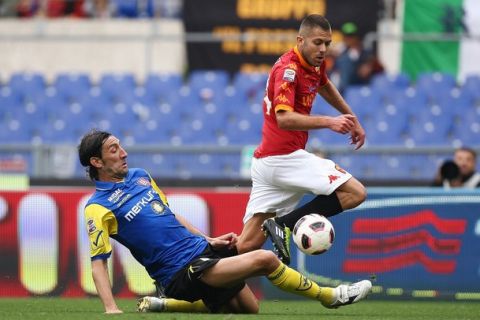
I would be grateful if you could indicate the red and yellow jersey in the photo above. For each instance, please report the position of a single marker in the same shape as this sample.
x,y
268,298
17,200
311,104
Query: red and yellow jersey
x,y
292,86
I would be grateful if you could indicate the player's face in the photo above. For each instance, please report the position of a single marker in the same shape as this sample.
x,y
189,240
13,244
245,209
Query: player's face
x,y
465,161
114,160
313,45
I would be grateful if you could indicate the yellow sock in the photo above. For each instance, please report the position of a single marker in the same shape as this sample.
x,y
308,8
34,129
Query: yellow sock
x,y
173,305
290,280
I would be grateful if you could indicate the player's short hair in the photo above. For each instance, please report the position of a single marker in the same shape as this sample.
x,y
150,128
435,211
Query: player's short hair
x,y
469,150
91,146
314,21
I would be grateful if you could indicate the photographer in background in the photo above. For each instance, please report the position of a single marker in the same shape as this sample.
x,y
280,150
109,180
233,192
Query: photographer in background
x,y
461,172
466,160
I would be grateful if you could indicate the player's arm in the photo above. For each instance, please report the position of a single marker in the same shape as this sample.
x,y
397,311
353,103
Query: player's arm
x,y
291,120
330,93
104,288
100,224
229,239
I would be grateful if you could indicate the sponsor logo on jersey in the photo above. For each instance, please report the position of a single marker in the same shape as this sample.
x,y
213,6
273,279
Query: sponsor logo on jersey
x,y
143,182
91,226
116,195
123,200
157,207
281,98
137,207
289,75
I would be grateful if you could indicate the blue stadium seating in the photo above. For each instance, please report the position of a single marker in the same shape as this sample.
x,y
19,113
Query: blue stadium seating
x,y
433,83
159,86
209,109
118,87
28,86
73,87
385,83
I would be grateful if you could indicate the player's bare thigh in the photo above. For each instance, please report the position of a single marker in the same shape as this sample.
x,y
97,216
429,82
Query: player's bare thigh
x,y
252,236
351,194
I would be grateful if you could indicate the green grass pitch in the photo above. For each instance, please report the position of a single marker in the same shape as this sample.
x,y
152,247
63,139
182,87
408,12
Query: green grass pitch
x,y
91,308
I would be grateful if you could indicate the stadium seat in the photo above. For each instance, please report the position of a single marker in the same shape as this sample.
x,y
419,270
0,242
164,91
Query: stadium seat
x,y
467,130
200,78
159,86
250,84
387,128
434,131
433,83
118,87
73,87
363,100
385,83
28,86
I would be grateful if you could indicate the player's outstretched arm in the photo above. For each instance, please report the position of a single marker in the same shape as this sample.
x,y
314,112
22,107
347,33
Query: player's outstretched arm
x,y
330,93
102,283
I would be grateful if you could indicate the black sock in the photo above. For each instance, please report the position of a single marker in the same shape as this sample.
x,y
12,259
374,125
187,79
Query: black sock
x,y
325,205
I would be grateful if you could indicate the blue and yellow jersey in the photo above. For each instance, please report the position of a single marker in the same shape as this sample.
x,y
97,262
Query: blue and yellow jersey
x,y
135,212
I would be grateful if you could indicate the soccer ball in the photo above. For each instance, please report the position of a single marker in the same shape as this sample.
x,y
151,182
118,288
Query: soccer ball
x,y
313,234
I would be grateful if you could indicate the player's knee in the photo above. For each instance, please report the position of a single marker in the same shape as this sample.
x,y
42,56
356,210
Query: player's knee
x,y
359,195
265,260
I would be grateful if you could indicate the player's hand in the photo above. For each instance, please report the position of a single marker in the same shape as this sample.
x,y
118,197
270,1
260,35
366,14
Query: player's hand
x,y
229,239
357,135
343,123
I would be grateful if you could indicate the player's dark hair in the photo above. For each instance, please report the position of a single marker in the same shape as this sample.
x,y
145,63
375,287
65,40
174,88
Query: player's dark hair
x,y
91,146
469,150
315,21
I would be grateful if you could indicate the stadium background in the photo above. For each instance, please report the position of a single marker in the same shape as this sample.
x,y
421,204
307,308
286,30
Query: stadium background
x,y
182,88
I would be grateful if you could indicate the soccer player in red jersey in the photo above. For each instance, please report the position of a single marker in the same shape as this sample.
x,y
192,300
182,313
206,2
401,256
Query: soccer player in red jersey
x,y
282,170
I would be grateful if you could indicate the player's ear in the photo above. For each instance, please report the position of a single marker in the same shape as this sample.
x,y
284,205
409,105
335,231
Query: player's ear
x,y
96,162
300,40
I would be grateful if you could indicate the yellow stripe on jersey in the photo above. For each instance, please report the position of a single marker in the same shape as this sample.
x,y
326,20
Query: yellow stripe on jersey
x,y
160,192
283,107
101,223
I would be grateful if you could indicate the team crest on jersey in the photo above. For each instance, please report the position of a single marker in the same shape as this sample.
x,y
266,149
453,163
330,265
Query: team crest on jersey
x,y
157,207
143,182
91,226
289,75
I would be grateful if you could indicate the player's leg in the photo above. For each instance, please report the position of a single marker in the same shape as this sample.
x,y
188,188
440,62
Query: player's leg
x,y
266,199
351,194
335,188
230,271
251,237
164,304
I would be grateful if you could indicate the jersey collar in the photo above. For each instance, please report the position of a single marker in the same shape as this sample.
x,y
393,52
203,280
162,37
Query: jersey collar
x,y
304,62
108,185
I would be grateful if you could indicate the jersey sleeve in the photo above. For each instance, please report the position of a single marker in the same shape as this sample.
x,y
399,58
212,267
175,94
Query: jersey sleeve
x,y
101,223
284,88
159,191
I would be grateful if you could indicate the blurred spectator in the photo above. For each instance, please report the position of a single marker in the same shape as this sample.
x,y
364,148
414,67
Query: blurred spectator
x,y
8,8
98,8
448,175
466,159
27,8
354,65
461,172
50,8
